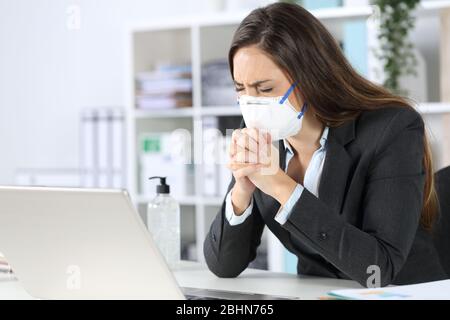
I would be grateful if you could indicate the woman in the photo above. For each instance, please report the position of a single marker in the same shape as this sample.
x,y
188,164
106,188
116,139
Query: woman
x,y
352,189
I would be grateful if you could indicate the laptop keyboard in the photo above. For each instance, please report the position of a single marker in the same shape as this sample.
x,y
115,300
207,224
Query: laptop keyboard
x,y
191,297
209,294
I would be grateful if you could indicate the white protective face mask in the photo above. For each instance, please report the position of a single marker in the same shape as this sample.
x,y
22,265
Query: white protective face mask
x,y
275,115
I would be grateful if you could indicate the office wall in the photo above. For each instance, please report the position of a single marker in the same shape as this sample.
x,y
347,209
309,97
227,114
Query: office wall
x,y
48,72
50,69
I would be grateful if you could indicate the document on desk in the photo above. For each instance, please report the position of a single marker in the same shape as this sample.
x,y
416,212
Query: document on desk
x,y
436,290
5,268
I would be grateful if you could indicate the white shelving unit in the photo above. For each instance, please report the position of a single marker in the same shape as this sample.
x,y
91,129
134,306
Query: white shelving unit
x,y
197,40
435,108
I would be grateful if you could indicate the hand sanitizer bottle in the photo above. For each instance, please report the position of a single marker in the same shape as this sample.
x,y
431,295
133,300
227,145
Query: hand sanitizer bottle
x,y
163,220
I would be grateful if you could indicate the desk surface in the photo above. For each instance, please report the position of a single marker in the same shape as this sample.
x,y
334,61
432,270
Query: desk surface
x,y
196,275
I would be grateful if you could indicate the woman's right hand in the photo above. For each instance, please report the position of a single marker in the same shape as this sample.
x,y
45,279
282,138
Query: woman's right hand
x,y
243,162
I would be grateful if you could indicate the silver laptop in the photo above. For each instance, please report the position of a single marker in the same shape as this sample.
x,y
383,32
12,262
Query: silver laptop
x,y
70,243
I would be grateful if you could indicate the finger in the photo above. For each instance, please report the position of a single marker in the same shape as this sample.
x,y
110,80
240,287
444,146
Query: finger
x,y
239,165
265,147
234,166
234,136
250,139
265,155
245,171
248,148
268,138
232,149
259,154
253,133
245,141
245,157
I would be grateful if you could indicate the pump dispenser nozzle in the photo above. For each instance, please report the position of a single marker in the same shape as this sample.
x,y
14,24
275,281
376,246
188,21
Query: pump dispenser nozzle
x,y
162,187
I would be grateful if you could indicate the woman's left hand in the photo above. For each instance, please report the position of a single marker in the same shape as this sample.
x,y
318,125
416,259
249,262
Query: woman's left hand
x,y
270,179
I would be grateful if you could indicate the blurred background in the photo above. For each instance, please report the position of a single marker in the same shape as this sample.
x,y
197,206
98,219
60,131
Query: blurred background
x,y
106,93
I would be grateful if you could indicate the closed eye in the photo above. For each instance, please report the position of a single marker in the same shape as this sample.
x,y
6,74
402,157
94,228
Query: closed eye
x,y
239,89
266,90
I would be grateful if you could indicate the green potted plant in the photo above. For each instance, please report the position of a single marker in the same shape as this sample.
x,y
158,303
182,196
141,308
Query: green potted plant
x,y
396,51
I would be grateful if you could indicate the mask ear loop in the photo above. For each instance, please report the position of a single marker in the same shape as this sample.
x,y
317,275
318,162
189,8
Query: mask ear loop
x,y
302,112
287,94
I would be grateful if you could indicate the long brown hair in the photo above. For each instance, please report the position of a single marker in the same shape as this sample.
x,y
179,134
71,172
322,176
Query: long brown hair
x,y
301,46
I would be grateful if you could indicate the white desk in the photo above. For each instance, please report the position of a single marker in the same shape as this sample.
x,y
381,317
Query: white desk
x,y
195,275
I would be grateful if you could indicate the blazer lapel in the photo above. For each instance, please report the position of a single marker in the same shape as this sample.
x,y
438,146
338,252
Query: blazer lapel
x,y
333,182
337,166
282,155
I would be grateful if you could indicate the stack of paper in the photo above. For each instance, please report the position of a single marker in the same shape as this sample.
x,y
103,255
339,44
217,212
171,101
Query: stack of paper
x,y
4,265
437,290
165,87
217,84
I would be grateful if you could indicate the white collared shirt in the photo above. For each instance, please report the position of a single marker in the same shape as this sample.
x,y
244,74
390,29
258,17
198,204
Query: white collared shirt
x,y
311,182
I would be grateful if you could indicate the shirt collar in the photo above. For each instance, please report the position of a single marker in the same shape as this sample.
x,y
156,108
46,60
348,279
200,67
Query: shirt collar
x,y
322,141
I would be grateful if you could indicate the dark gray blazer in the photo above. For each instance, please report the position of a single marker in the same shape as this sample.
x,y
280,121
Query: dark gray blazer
x,y
367,213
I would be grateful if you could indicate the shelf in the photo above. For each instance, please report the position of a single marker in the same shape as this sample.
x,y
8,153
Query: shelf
x,y
434,108
343,13
188,112
424,108
164,113
436,5
186,201
234,18
220,111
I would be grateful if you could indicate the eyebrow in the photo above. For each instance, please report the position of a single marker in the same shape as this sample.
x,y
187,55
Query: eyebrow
x,y
254,84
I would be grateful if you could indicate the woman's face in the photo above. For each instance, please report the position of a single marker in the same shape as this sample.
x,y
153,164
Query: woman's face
x,y
255,74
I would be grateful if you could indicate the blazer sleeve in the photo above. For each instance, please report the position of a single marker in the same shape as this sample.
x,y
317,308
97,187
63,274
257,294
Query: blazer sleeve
x,y
229,249
390,209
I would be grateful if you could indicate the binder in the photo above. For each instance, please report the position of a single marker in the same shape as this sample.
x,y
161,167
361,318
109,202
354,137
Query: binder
x,y
211,141
118,149
102,147
88,138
